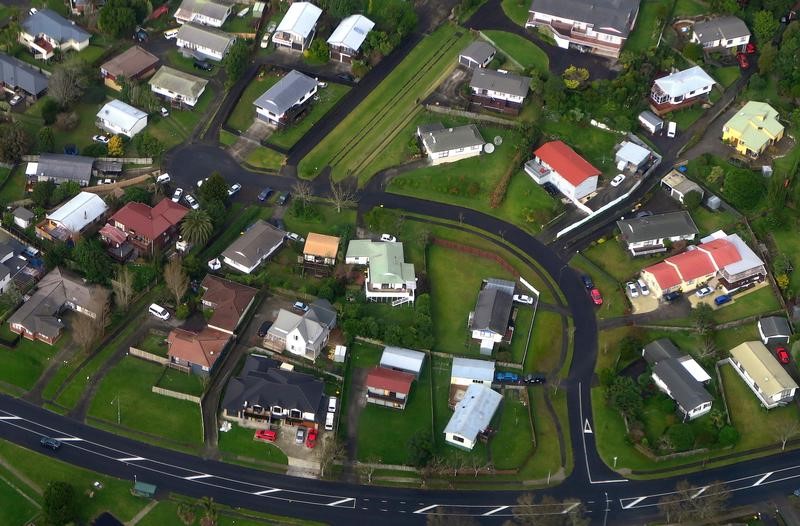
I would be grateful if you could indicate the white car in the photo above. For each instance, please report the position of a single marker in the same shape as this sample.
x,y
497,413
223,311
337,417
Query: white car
x,y
522,298
294,237
265,41
388,237
672,129
322,84
102,139
632,289
271,27
164,112
616,181
234,189
192,202
169,34
702,292
176,197
158,311
15,100
643,287
163,179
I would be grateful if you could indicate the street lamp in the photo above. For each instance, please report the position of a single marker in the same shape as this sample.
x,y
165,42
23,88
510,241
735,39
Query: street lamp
x,y
615,462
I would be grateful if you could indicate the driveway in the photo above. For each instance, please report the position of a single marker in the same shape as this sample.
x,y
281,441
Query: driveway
x,y
355,404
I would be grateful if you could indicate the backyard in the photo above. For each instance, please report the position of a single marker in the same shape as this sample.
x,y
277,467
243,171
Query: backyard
x,y
649,24
325,99
594,144
522,50
513,443
21,366
546,341
326,221
180,124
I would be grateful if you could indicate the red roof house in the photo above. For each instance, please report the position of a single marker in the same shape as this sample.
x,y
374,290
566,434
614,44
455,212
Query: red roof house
x,y
148,227
388,387
570,173
229,300
196,350
722,251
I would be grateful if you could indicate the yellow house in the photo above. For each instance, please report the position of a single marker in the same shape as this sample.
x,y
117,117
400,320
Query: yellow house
x,y
753,129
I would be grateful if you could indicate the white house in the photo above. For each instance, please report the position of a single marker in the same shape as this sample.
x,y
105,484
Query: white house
x,y
204,12
253,247
300,335
679,89
556,163
346,40
472,416
447,145
499,90
119,118
286,98
297,28
44,31
489,321
721,32
389,277
648,235
762,373
468,371
70,220
178,87
203,42
477,55
23,217
775,330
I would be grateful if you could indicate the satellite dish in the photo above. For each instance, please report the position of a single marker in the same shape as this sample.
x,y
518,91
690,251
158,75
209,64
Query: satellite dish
x,y
498,140
488,147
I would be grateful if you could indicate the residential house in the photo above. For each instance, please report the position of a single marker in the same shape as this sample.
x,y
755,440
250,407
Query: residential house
x,y
679,90
680,377
404,360
472,416
774,329
299,335
477,55
197,351
104,168
346,40
600,27
204,12
253,247
319,253
263,393
12,261
121,119
73,219
468,371
229,300
78,7
133,65
556,163
45,31
489,322
286,99
39,318
179,88
678,185
20,78
146,228
720,260
60,168
388,387
389,277
753,129
721,32
321,311
447,145
760,370
651,122
297,28
203,42
649,235
631,156
23,217
499,90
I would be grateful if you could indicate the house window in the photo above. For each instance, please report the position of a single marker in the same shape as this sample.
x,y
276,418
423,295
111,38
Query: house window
x,y
457,438
276,409
295,413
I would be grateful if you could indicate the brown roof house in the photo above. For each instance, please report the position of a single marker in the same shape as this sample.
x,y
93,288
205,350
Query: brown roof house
x,y
319,253
133,64
143,226
198,351
388,387
229,300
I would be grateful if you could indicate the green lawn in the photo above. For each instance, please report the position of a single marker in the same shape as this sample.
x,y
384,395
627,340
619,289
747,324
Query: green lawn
x,y
13,188
182,382
513,443
611,257
517,10
128,385
24,364
689,8
240,24
239,442
174,59
521,325
686,117
329,222
708,221
761,301
226,138
244,112
16,509
546,457
615,303
91,54
520,49
361,137
180,124
155,343
727,75
287,136
166,512
649,23
594,144
546,342
265,158
788,242
81,136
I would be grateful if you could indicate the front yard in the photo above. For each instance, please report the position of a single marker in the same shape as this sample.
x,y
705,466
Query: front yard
x,y
522,50
287,136
325,221
21,366
180,124
244,112
238,444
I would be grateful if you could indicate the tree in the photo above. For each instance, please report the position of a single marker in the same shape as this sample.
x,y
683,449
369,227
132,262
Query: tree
x,y
45,139
693,51
742,189
117,18
64,191
786,430
136,194
60,503
766,58
765,26
88,330
575,77
175,279
420,449
209,508
302,192
115,146
146,144
688,502
332,449
41,192
235,61
196,227
553,93
11,297
92,260
342,196
214,189
681,436
14,143
122,285
692,200
714,175
318,51
186,513
703,318
728,436
68,82
367,469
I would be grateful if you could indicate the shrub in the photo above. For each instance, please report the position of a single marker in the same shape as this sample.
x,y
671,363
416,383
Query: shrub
x,y
67,121
728,436
681,436
182,312
49,111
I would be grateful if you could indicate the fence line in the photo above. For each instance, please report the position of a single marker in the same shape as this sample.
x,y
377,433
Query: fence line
x,y
175,394
130,160
471,115
150,357
476,252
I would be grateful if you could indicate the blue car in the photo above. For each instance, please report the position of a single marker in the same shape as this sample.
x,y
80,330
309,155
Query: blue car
x,y
506,377
723,299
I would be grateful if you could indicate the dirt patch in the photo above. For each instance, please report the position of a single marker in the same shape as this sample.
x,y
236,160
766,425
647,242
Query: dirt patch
x,y
355,405
448,93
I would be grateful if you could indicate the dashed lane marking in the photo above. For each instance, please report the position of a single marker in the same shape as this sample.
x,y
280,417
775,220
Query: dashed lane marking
x,y
131,459
267,491
496,510
762,479
426,508
198,477
342,501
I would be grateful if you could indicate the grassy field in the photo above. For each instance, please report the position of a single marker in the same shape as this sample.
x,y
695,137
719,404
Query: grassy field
x,y
517,10
155,343
513,443
329,222
689,8
546,342
175,380
180,124
761,301
16,509
226,138
649,23
727,75
686,117
360,137
788,243
266,158
592,143
708,221
13,188
166,512
287,136
614,301
244,112
520,49
611,257
24,364
239,442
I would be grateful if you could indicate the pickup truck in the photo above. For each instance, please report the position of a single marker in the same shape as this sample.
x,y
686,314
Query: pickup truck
x,y
506,377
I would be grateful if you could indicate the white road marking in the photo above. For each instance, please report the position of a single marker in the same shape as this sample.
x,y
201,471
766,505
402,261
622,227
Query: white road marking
x,y
69,439
426,508
583,438
762,479
196,477
492,512
633,503
348,499
699,492
587,428
10,418
571,507
266,491
131,459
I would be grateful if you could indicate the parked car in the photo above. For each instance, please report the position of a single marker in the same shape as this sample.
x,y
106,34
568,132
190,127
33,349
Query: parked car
x,y
672,129
346,77
597,298
294,237
522,298
234,189
535,378
643,287
201,181
163,179
102,139
722,299
265,41
329,422
332,404
741,58
265,193
192,202
616,181
750,48
278,223
506,377
702,292
551,189
672,296
176,197
587,281
299,305
300,436
158,311
283,198
388,237
164,112
15,100
782,354
266,434
322,85
169,34
311,439
50,443
202,64
264,329
634,292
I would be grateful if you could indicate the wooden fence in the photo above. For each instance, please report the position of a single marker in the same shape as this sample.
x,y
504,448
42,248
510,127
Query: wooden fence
x,y
176,394
150,357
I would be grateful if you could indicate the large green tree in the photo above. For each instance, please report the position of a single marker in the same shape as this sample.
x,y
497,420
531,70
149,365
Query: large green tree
x,y
117,18
765,25
214,189
14,143
196,227
93,261
60,503
235,61
743,189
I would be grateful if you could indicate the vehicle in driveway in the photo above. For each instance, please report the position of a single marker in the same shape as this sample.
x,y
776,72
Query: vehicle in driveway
x,y
332,404
597,298
782,354
264,328
643,287
722,299
158,311
15,100
616,181
634,292
265,193
672,296
50,443
283,198
300,435
176,197
202,64
672,129
169,34
535,378
266,434
587,282
163,179
265,41
102,139
311,439
750,48
299,305
506,377
741,58
702,292
294,237
522,298
388,237
551,189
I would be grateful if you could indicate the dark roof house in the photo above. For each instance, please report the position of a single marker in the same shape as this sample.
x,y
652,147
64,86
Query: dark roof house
x,y
648,234
610,15
322,312
659,350
689,394
717,31
133,64
477,55
15,74
60,168
774,329
230,301
250,249
500,82
493,307
54,26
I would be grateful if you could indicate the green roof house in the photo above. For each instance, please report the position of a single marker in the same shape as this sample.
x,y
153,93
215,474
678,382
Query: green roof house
x,y
389,277
753,129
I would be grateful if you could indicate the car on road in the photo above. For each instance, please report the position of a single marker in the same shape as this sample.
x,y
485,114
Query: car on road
x,y
15,100
722,299
266,434
176,196
158,311
192,202
264,329
202,64
702,292
234,189
634,292
265,193
50,443
616,181
643,287
522,298
741,58
311,439
506,377
388,237
102,139
750,48
782,354
299,305
587,282
300,436
163,179
535,378
597,298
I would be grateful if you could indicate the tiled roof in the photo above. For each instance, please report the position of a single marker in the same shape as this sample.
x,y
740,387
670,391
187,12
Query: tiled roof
x,y
390,380
203,348
564,160
150,222
230,300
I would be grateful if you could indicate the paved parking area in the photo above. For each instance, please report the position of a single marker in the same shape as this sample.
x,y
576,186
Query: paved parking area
x,y
709,300
267,311
642,304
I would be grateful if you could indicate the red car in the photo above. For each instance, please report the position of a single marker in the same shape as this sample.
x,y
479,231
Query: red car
x,y
742,59
596,297
311,438
782,354
266,434
750,48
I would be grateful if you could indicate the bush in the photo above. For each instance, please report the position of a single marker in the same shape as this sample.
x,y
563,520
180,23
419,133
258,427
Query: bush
x,y
49,111
681,436
67,121
728,436
182,312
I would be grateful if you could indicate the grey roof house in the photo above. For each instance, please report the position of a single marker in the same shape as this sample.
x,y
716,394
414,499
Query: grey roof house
x,y
16,75
477,55
60,168
472,416
322,312
253,247
401,359
286,99
177,86
721,32
680,377
489,321
774,329
204,42
445,145
44,31
302,335
648,235
499,90
466,371
23,217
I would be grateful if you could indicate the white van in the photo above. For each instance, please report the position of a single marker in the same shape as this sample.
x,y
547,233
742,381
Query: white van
x,y
163,178
332,404
170,34
329,422
159,312
671,129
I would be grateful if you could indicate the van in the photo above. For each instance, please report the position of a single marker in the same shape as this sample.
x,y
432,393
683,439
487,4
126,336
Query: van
x,y
159,312
672,128
329,422
332,404
170,33
163,179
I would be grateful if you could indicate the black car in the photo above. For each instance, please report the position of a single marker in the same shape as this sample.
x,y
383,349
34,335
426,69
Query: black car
x,y
672,296
550,189
202,64
262,331
265,193
587,282
535,378
346,77
283,198
50,443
